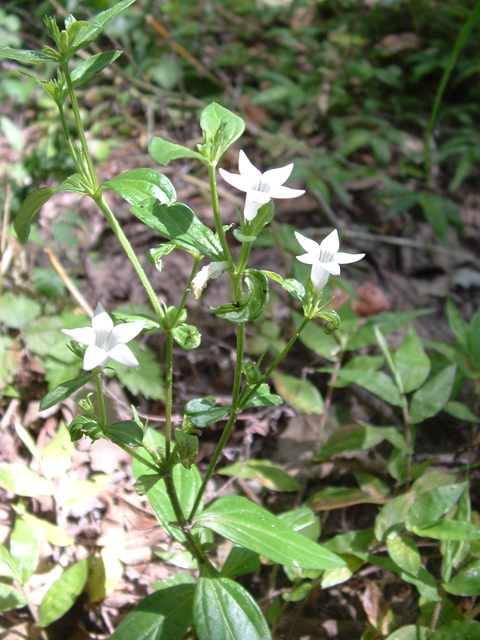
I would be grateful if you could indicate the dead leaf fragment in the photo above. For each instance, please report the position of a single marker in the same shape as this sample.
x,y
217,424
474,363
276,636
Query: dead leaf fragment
x,y
372,300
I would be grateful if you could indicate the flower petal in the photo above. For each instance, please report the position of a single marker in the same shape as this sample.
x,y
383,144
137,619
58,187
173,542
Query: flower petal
x,y
275,177
285,193
332,267
310,246
319,277
348,258
102,324
122,354
94,357
124,332
236,180
260,197
82,335
247,170
308,258
251,207
331,244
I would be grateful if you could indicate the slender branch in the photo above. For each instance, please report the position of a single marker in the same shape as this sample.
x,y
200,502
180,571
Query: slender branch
x,y
183,302
216,214
168,392
101,401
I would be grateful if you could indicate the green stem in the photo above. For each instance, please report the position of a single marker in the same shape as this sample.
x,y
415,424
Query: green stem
x,y
101,401
71,148
168,392
196,550
252,390
80,130
183,302
216,214
131,452
127,247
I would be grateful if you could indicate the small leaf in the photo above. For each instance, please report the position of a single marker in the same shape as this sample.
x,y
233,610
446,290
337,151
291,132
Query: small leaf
x,y
250,526
187,336
266,472
292,286
460,411
466,582
224,610
350,439
22,55
410,632
24,549
29,209
263,397
187,445
57,455
18,311
303,521
457,324
19,479
164,152
203,412
87,69
11,598
63,593
393,513
127,431
433,505
138,185
240,562
252,305
376,382
8,566
302,395
64,391
106,571
449,530
220,129
88,31
339,497
44,529
424,582
151,323
315,339
163,615
403,551
386,322
433,396
413,364
465,630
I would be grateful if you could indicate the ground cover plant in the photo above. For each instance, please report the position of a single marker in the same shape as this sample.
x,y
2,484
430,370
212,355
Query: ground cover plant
x,y
241,564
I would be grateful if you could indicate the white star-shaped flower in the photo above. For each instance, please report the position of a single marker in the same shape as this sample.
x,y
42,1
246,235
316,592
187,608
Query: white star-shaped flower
x,y
324,258
105,342
259,187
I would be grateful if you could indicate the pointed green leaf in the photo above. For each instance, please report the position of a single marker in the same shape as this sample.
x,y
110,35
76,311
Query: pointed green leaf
x,y
44,529
466,582
203,412
187,336
449,530
302,395
424,582
263,397
151,323
224,610
181,226
434,504
8,566
88,31
163,151
64,391
465,630
220,129
403,551
11,598
393,513
266,472
458,326
62,594
240,562
433,396
89,68
376,382
138,185
127,431
303,521
29,209
354,438
25,56
248,525
410,632
386,322
163,615
21,480
413,364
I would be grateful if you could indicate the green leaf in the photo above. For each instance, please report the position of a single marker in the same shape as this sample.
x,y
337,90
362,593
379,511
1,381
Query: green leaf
x,y
252,305
413,364
11,598
449,530
466,630
88,31
203,412
21,480
403,551
303,521
302,395
62,594
187,444
187,484
240,562
352,541
466,582
8,566
24,549
350,439
386,322
434,504
187,336
178,578
87,69
376,382
44,529
180,225
127,431
315,339
163,615
263,397
22,55
163,151
57,455
248,525
224,610
151,323
458,326
75,184
460,411
424,582
147,379
106,571
266,472
433,396
393,513
29,209
292,286
410,632
64,391
339,497
220,129
138,185
18,311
